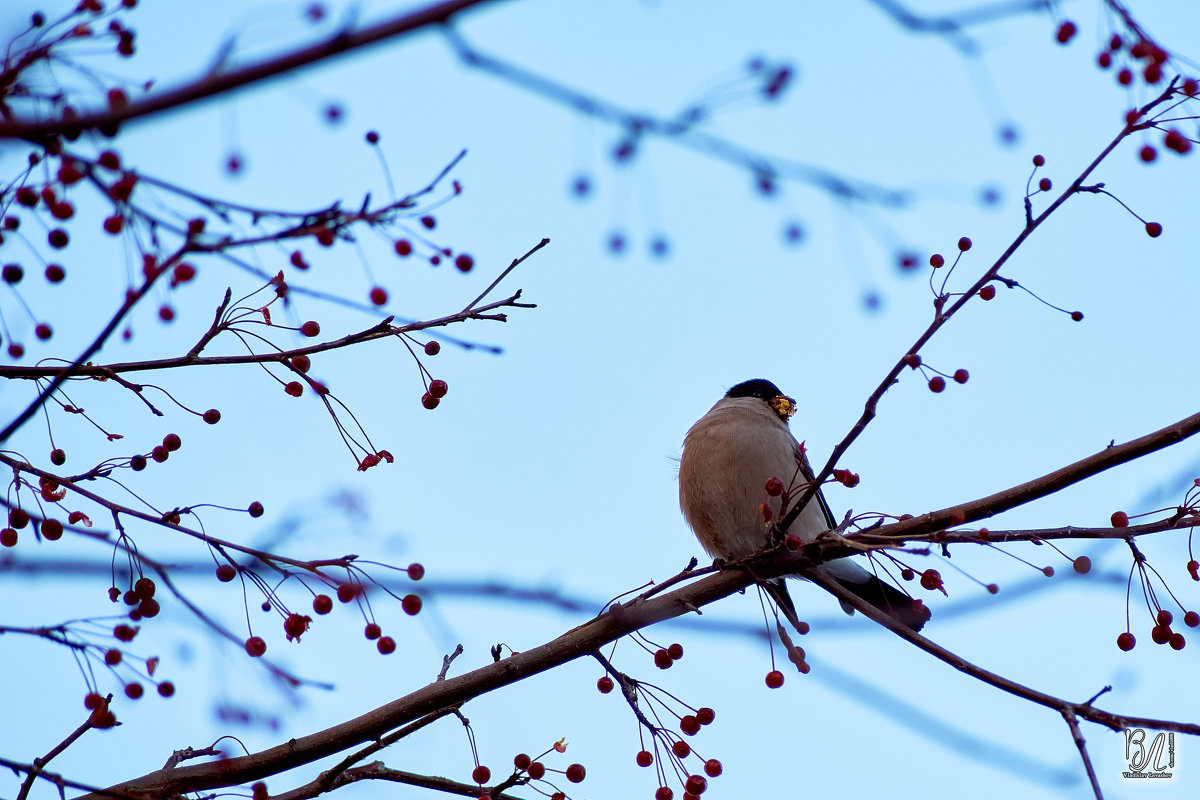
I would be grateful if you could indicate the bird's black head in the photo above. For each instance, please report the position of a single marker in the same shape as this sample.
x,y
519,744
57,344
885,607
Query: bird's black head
x,y
761,388
769,393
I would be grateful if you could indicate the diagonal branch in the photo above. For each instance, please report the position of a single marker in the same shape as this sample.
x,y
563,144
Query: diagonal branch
x,y
220,83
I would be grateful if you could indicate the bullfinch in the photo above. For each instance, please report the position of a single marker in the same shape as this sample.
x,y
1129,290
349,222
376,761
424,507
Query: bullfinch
x,y
729,455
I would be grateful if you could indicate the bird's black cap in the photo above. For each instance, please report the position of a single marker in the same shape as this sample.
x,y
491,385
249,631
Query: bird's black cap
x,y
761,388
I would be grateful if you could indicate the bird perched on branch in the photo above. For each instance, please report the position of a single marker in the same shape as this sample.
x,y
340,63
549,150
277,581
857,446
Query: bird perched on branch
x,y
729,457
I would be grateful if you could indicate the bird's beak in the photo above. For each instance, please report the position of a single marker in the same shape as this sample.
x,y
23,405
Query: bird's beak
x,y
783,406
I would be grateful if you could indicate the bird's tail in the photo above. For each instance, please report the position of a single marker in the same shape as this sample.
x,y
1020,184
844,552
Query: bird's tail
x,y
891,601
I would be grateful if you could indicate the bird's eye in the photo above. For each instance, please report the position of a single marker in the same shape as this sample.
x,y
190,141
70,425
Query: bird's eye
x,y
783,405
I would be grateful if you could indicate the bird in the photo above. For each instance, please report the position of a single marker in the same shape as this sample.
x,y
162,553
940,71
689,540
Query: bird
x,y
728,457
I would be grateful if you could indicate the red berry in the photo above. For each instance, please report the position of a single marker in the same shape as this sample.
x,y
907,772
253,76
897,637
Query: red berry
x,y
403,247
92,701
160,454
112,657
1177,641
294,388
15,350
645,758
346,592
167,689
464,262
936,261
372,631
537,770
1044,184
8,537
1125,76
1193,568
604,685
774,679
429,222
712,767
706,715
1065,32
144,587
1119,519
931,579
937,384
1082,565
124,633
52,529
386,645
1048,572
1077,316
411,604
681,749
149,608
429,401
689,725
1147,154
1039,161
576,773
663,793
322,604
212,416
134,690
416,572
1160,634
295,625
432,348
379,295
1153,230
58,457
310,329
166,313
1164,617
226,573
964,244
55,273
1126,641
172,442
774,487
438,388
1104,60
675,651
1191,619
961,375
662,659
255,646
255,509
12,273
695,784
114,224
42,331
18,518
521,761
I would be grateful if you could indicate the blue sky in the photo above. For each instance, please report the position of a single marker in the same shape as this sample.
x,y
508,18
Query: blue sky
x,y
551,466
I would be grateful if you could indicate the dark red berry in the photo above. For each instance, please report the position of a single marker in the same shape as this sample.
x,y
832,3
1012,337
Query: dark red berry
x,y
322,604
386,645
481,775
604,685
576,773
937,384
464,262
411,604
432,348
774,679
1120,519
438,388
212,416
644,758
310,329
255,646
226,573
